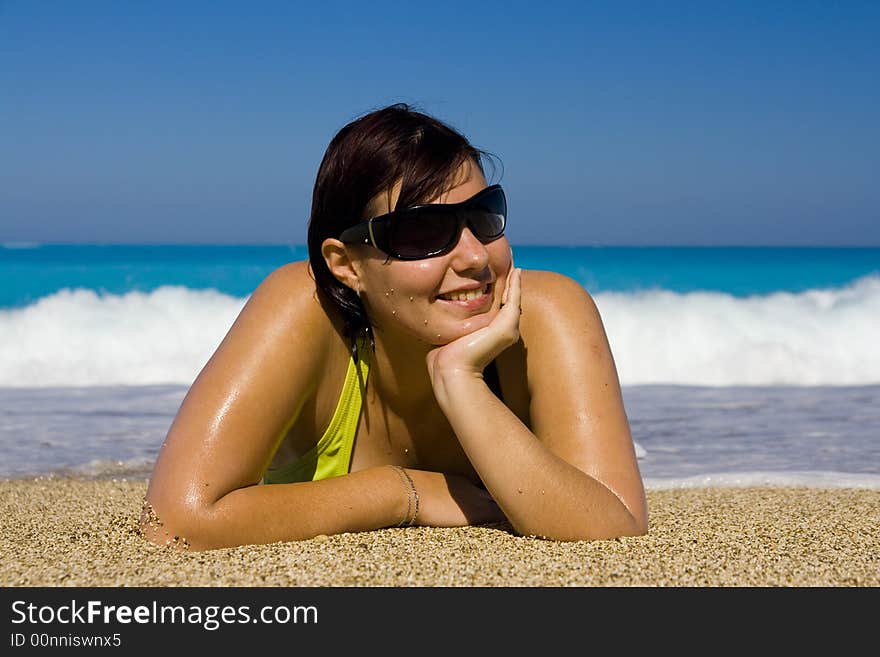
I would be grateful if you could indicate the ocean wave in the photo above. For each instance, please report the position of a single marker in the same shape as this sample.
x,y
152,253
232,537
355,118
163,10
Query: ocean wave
x,y
83,338
804,479
819,337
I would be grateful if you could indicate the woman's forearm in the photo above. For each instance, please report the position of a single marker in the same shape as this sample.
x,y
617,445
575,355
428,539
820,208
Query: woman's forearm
x,y
539,492
361,501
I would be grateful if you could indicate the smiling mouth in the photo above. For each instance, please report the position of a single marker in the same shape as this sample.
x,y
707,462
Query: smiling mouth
x,y
465,296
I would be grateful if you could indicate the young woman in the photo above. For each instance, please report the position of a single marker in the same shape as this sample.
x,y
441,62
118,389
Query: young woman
x,y
406,374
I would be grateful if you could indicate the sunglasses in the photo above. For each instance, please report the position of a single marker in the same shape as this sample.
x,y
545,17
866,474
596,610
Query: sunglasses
x,y
430,230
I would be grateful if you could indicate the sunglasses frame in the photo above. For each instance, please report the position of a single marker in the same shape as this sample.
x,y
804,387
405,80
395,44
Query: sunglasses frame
x,y
376,231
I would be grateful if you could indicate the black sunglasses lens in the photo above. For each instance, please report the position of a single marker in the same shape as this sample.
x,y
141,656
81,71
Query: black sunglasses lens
x,y
487,215
420,233
485,225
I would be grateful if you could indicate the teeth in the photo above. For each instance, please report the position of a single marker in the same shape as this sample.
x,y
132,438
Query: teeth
x,y
469,295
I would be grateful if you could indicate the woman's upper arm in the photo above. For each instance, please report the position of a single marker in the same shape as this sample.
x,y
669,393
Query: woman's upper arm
x,y
576,405
246,396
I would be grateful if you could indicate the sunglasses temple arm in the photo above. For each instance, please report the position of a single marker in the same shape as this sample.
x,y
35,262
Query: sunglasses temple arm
x,y
370,230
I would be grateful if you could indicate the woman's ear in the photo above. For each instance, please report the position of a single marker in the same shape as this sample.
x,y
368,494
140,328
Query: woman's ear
x,y
340,264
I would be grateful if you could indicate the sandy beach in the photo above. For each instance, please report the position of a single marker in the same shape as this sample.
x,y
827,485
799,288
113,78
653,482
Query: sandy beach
x,y
65,532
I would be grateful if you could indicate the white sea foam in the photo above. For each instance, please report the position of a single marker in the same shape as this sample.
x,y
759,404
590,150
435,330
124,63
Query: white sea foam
x,y
135,468
806,479
81,338
819,337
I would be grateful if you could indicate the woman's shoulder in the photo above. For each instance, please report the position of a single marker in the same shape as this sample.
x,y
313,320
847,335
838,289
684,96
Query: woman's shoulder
x,y
550,289
290,277
290,286
554,304
285,306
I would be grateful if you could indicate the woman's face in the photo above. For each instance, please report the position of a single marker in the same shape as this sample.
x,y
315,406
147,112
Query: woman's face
x,y
441,298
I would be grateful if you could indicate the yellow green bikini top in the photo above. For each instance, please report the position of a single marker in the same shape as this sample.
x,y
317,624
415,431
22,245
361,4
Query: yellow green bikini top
x,y
331,456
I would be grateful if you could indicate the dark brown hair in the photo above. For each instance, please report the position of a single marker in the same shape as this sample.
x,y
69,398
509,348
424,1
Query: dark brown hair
x,y
366,158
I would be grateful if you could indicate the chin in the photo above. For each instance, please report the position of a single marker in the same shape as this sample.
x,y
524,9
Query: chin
x,y
461,329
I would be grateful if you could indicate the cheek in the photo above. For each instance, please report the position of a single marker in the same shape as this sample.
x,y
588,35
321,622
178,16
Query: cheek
x,y
419,279
406,293
500,255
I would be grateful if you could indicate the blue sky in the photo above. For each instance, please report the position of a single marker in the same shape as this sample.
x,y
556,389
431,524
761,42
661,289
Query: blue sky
x,y
618,123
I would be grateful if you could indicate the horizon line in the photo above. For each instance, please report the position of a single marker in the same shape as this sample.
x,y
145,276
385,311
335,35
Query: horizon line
x,y
32,244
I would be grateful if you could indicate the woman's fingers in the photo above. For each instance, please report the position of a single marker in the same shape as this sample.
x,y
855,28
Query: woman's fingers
x,y
514,295
508,314
510,272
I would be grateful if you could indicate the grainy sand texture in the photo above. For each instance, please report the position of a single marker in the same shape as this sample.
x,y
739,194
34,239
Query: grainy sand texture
x,y
67,532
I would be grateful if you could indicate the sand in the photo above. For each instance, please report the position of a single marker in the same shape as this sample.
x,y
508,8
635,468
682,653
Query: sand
x,y
66,532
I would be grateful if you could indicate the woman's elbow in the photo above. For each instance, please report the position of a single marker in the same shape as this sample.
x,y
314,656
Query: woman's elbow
x,y
177,527
636,526
627,523
587,528
608,532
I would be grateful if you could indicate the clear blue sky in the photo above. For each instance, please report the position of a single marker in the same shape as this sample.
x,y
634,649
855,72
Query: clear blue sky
x,y
618,123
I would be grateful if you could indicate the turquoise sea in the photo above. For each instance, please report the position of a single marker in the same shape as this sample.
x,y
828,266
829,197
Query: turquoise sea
x,y
738,365
32,271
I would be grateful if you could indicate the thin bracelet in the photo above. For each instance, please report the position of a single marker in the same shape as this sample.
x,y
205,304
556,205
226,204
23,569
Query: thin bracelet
x,y
412,498
415,495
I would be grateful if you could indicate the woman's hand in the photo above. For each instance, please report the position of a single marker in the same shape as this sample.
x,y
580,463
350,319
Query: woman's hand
x,y
472,352
447,500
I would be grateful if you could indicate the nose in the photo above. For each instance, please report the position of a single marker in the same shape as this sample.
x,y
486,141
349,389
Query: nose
x,y
470,253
